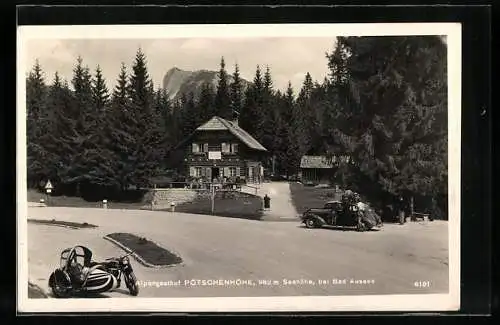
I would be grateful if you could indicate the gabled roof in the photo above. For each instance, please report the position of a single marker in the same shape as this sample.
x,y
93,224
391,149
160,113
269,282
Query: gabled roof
x,y
217,123
322,162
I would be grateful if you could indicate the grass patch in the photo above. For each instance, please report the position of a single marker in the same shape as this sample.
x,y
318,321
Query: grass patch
x,y
78,202
55,222
243,208
146,249
35,292
304,197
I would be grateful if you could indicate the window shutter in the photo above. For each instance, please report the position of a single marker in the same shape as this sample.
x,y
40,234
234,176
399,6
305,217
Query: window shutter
x,y
238,171
195,147
226,172
205,147
235,147
224,147
208,173
192,171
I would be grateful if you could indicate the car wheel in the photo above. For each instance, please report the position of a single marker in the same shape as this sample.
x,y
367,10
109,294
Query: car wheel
x,y
310,223
361,227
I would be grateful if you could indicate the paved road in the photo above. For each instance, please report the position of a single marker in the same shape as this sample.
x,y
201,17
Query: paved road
x,y
229,249
281,200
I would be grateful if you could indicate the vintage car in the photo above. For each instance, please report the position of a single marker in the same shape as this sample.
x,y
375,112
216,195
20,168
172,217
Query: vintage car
x,y
340,214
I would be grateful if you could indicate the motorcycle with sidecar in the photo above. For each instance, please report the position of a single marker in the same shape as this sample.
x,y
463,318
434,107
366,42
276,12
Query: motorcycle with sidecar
x,y
78,274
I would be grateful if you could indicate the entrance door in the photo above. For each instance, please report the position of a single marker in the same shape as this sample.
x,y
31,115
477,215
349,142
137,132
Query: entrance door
x,y
215,172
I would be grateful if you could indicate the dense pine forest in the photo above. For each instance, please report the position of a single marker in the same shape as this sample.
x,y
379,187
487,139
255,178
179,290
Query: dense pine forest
x,y
384,103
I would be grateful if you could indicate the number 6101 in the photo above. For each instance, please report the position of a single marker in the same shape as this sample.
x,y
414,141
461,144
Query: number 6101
x,y
422,284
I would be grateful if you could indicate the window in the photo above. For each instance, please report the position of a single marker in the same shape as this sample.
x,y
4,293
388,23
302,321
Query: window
x,y
196,147
229,147
198,171
234,148
214,147
232,171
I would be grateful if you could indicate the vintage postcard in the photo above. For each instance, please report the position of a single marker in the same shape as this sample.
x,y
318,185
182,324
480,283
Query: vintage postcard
x,y
239,168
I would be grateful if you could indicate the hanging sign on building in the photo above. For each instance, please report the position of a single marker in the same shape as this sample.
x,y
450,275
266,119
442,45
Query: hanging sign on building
x,y
214,155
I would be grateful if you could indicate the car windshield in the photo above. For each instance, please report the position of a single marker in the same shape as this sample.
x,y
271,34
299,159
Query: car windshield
x,y
331,205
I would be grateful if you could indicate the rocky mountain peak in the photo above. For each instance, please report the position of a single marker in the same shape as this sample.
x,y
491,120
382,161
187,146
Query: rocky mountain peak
x,y
177,81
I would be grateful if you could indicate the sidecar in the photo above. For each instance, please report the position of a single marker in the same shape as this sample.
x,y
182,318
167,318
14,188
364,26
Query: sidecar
x,y
77,274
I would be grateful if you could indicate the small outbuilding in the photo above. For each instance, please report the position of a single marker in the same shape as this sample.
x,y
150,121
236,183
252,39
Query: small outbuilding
x,y
320,169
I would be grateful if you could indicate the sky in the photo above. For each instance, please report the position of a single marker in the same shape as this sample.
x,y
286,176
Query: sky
x,y
289,58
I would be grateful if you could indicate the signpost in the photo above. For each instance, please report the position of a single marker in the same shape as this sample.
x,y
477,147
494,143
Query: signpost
x,y
48,189
212,196
213,156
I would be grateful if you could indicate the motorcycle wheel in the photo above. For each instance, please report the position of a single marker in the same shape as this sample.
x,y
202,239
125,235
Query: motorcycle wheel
x,y
59,291
131,282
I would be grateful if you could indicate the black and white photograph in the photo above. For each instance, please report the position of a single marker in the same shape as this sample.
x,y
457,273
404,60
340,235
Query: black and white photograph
x,y
207,168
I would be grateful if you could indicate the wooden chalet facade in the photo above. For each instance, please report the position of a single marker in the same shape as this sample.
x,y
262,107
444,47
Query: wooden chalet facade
x,y
220,150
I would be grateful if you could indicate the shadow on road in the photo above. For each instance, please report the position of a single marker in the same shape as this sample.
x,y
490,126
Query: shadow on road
x,y
123,292
338,228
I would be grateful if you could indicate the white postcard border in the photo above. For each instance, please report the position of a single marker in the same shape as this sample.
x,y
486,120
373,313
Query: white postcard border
x,y
426,302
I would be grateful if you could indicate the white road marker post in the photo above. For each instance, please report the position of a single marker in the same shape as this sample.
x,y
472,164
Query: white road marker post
x,y
104,204
48,189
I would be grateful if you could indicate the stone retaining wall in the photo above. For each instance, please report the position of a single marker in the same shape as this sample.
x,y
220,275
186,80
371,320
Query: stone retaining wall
x,y
162,198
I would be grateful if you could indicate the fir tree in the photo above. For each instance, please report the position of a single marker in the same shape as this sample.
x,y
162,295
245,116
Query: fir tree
x,y
120,93
222,98
37,115
190,115
206,108
304,116
267,110
62,143
100,91
102,155
122,131
251,115
395,101
77,137
290,151
148,147
140,91
236,93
